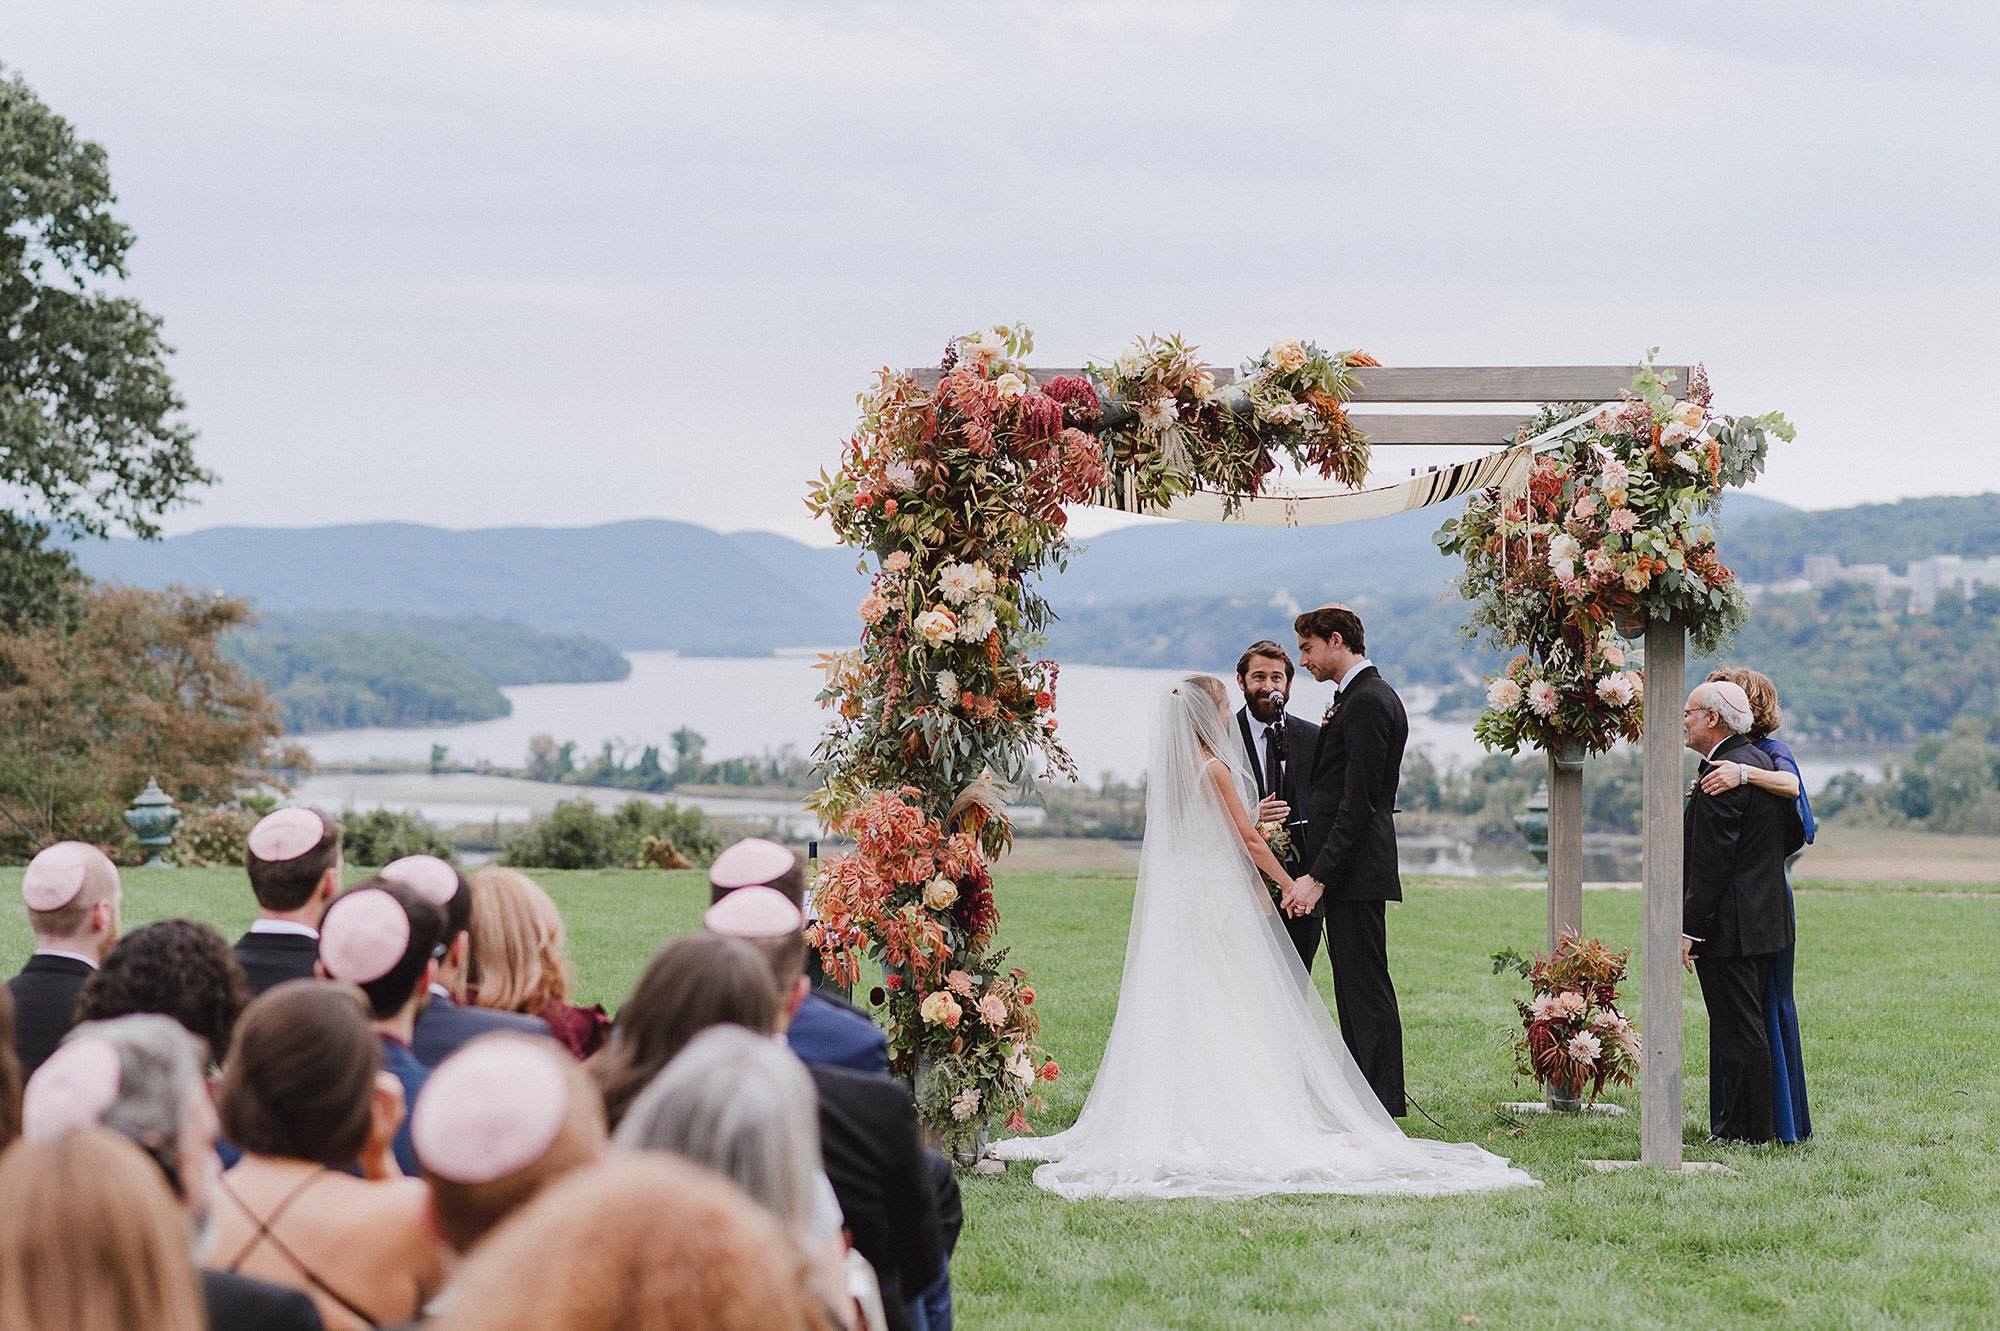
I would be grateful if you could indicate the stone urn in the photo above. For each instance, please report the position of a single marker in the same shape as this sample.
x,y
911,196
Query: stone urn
x,y
153,819
1534,824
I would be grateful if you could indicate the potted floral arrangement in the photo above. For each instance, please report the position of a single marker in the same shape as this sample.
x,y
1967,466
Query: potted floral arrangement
x,y
1572,1034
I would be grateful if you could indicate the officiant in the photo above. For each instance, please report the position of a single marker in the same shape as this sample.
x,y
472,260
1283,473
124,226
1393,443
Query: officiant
x,y
1280,747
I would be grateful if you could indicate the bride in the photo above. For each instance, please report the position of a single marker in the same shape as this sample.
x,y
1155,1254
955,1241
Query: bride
x,y
1224,1076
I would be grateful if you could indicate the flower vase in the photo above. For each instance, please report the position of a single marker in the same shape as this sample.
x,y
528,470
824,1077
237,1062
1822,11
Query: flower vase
x,y
965,1156
1563,1099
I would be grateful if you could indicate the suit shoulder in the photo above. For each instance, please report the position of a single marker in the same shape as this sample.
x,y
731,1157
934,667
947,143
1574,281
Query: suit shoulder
x,y
1301,727
868,1091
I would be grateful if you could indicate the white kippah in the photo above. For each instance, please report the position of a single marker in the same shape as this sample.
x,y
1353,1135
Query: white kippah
x,y
490,1110
754,912
754,862
286,835
55,876
363,936
71,1090
426,875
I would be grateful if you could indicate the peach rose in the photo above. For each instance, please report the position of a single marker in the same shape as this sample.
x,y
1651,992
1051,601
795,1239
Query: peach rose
x,y
940,1009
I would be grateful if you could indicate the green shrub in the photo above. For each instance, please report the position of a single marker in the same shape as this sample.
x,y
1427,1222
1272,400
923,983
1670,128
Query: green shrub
x,y
575,835
380,835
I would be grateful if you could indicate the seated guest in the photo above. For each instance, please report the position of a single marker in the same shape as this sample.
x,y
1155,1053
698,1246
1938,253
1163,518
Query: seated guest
x,y
144,1078
178,968
869,1139
73,899
736,1102
825,1029
294,862
445,1022
10,1074
382,938
92,1238
640,1241
498,1121
517,962
303,1094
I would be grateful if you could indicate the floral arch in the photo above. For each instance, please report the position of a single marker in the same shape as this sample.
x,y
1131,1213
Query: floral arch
x,y
955,486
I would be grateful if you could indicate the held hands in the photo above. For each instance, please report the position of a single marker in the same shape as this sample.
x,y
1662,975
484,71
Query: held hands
x,y
1301,896
1687,954
1271,809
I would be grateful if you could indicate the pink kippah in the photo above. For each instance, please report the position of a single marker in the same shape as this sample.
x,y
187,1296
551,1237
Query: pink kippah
x,y
55,876
286,835
426,875
752,863
754,912
363,936
71,1090
490,1110
1731,693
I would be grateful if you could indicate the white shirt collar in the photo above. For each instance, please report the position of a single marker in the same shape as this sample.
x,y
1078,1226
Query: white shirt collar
x,y
1718,744
1352,671
263,926
439,991
73,956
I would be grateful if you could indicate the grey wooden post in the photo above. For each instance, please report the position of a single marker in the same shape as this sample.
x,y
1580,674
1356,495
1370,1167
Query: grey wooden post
x,y
1660,897
1565,843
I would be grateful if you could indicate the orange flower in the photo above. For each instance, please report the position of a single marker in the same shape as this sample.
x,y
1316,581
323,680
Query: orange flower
x,y
1050,1071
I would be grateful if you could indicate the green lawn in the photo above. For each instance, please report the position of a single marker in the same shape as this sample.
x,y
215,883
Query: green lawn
x,y
1890,1218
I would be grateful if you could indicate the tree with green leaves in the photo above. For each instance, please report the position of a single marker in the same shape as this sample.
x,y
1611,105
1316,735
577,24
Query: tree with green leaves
x,y
91,435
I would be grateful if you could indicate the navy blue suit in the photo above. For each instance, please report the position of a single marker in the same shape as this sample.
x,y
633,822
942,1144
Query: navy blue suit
x,y
443,1026
268,960
397,1059
832,1034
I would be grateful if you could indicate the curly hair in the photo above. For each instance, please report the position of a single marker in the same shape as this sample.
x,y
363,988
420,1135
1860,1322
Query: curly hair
x,y
180,968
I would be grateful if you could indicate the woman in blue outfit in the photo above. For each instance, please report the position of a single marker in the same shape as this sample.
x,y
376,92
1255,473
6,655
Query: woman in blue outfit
x,y
1790,1117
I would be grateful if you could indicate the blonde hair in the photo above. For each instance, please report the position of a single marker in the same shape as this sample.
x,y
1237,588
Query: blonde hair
x,y
645,1240
94,1241
1765,714
467,1212
517,943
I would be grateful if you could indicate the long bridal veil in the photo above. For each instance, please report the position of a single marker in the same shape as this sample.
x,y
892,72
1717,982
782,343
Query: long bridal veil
x,y
1223,1075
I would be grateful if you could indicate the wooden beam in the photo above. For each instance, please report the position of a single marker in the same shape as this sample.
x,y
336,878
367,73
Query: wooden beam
x,y
1451,383
1565,844
1660,897
1484,430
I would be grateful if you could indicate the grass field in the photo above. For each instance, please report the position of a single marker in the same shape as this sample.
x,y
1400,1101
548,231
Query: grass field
x,y
1891,1217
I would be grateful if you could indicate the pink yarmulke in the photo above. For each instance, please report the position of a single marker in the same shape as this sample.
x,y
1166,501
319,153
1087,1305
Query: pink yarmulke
x,y
426,875
489,1111
1731,693
754,912
752,863
363,936
286,835
71,1090
55,876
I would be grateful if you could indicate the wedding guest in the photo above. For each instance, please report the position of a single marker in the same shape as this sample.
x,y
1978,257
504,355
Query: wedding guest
x,y
736,1102
904,1217
445,1022
1791,1118
382,938
499,1121
73,900
10,1074
825,1030
304,1094
1736,912
640,1241
294,862
518,962
178,968
144,1078
92,1238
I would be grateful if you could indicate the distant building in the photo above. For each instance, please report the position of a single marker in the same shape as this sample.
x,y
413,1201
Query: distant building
x,y
1918,589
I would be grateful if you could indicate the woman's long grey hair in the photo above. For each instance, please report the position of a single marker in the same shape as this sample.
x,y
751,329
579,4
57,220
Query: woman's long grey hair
x,y
742,1104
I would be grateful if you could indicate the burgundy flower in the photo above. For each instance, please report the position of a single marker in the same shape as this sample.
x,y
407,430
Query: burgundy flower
x,y
1078,396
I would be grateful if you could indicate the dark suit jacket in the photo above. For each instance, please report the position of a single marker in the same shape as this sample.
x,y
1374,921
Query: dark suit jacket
x,y
1733,848
443,1026
825,1030
268,960
1351,822
238,1303
875,1159
45,994
1303,738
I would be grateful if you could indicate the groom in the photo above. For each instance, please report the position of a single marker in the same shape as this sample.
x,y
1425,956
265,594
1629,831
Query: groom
x,y
1350,847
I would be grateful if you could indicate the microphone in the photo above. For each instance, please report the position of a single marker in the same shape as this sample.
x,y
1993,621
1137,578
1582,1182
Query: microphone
x,y
1281,743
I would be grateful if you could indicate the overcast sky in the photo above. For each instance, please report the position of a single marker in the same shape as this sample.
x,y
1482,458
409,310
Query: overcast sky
x,y
561,263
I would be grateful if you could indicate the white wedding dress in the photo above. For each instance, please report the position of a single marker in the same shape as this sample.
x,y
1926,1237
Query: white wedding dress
x,y
1224,1076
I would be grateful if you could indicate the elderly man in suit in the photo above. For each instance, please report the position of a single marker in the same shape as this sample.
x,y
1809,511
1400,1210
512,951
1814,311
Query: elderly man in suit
x,y
73,899
1736,913
1280,747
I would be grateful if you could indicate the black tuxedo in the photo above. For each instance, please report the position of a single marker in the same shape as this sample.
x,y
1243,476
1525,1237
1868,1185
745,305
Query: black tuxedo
x,y
238,1303
1294,787
444,1026
1734,902
45,994
268,960
874,1157
1351,853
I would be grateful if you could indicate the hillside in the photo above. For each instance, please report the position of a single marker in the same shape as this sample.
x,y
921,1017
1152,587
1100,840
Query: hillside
x,y
1893,534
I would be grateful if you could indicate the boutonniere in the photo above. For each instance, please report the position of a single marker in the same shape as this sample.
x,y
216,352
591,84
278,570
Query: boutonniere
x,y
1331,708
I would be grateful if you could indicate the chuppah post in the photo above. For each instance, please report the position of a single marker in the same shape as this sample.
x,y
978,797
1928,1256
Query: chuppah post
x,y
1565,842
1660,982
